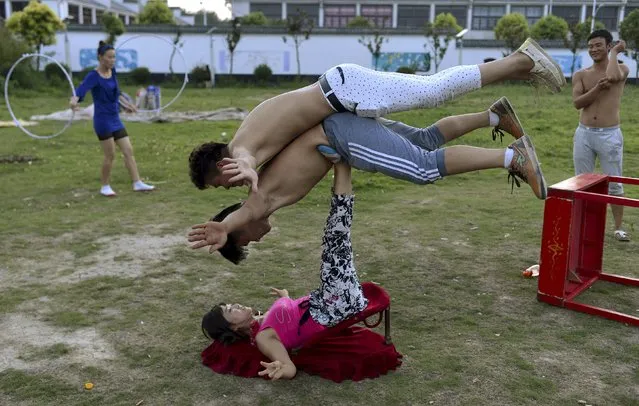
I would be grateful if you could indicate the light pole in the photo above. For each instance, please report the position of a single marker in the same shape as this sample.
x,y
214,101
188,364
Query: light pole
x,y
460,43
595,9
212,51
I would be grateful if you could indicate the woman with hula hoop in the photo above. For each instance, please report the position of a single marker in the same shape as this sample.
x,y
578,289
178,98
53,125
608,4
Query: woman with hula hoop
x,y
103,84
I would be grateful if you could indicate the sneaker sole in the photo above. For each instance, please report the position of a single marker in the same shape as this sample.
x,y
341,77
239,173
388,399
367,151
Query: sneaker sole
x,y
551,66
511,112
530,150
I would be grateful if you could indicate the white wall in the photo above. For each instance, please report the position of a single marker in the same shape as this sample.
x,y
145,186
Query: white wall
x,y
317,54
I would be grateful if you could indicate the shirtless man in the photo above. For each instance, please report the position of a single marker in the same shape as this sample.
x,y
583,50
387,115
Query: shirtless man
x,y
597,91
274,123
375,145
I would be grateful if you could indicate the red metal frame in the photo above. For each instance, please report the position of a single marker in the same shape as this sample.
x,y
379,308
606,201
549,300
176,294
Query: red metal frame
x,y
573,240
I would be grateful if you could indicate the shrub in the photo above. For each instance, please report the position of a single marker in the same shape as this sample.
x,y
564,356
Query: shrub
x,y
405,69
140,76
53,72
262,73
200,74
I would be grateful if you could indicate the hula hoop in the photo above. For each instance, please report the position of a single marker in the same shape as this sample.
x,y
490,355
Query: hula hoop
x,y
6,97
186,75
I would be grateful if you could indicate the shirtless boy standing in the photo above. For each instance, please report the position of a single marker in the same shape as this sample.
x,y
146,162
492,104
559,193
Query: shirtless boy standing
x,y
597,91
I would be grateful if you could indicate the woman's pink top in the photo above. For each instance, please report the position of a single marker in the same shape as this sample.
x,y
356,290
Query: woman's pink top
x,y
284,317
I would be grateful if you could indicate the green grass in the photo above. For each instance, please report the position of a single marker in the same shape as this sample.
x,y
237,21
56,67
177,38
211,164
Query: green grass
x,y
450,255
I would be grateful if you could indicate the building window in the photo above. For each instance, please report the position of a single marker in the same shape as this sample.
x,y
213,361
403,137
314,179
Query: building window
x,y
311,11
131,20
608,15
412,16
98,16
572,14
379,15
532,13
122,18
2,13
74,14
272,11
18,6
459,12
337,15
485,17
86,15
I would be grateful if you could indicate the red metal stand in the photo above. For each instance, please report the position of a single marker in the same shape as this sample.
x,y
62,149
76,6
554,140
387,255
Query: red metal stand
x,y
573,239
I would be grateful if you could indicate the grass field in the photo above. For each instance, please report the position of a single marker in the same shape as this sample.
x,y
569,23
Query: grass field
x,y
107,291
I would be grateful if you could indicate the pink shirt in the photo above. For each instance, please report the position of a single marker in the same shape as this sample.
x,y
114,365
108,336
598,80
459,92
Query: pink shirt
x,y
284,317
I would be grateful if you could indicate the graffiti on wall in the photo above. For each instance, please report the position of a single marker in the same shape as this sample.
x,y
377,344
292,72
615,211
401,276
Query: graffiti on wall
x,y
125,59
391,61
565,61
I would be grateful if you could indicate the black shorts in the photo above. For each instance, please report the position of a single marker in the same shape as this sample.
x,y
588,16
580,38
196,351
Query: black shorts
x,y
115,135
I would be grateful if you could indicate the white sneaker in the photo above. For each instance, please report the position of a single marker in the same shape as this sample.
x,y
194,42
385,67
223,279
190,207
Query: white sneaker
x,y
107,191
545,70
140,186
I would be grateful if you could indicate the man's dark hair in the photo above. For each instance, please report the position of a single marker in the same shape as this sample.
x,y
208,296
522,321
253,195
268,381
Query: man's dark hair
x,y
231,250
203,159
605,34
216,327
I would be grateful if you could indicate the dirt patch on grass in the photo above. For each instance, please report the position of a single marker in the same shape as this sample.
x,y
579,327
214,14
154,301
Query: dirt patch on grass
x,y
19,334
125,256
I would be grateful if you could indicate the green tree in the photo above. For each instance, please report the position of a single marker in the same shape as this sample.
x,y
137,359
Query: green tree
x,y
513,29
439,35
113,26
255,18
36,25
156,12
577,40
551,28
372,41
629,31
360,22
233,38
299,27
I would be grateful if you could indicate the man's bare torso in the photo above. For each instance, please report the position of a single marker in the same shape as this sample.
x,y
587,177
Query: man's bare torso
x,y
604,111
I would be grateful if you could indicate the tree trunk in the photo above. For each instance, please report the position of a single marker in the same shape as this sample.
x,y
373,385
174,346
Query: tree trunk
x,y
231,70
38,58
297,57
171,61
572,66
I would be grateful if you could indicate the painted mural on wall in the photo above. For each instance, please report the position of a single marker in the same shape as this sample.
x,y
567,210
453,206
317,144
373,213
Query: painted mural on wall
x,y
125,59
247,61
391,61
565,61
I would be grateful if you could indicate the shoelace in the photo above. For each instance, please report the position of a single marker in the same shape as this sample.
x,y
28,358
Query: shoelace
x,y
512,179
497,131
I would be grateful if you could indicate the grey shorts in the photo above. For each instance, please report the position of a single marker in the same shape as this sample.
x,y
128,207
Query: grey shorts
x,y
389,147
605,143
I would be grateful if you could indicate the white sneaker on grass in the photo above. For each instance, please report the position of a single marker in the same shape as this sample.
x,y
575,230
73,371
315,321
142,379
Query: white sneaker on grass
x,y
140,186
107,191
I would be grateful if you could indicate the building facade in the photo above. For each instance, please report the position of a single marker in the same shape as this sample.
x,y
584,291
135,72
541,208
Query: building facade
x,y
90,12
479,16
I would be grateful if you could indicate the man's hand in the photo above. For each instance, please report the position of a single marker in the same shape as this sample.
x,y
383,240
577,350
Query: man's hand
x,y
279,292
241,170
276,370
619,47
210,233
603,83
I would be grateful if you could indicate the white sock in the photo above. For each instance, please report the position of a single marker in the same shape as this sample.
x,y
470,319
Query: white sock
x,y
107,191
494,118
140,186
508,157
